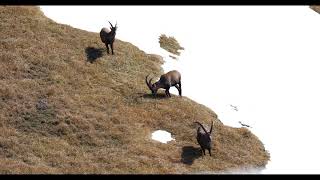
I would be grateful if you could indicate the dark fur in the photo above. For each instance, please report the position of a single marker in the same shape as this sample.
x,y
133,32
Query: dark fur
x,y
204,138
108,37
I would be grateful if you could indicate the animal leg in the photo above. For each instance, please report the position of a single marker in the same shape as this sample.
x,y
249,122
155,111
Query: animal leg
x,y
167,92
203,151
179,88
209,151
180,92
107,48
112,48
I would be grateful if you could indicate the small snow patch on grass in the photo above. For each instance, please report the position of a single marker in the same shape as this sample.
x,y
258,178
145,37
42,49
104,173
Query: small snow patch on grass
x,y
162,136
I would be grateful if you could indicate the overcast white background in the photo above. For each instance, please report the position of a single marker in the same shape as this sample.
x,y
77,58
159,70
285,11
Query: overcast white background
x,y
262,59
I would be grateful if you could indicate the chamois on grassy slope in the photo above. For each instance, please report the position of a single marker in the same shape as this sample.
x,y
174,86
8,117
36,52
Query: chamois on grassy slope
x,y
108,35
172,78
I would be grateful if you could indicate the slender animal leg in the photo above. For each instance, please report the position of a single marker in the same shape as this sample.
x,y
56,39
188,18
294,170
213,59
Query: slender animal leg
x,y
107,48
179,89
180,92
209,151
203,150
112,48
167,92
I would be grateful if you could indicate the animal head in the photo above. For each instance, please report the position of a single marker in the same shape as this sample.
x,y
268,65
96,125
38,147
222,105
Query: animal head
x,y
207,134
153,88
113,28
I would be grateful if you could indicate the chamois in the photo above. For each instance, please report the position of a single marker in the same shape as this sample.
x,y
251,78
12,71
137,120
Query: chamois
x,y
204,138
172,78
107,36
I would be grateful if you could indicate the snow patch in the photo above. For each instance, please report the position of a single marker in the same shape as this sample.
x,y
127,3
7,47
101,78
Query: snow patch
x,y
162,136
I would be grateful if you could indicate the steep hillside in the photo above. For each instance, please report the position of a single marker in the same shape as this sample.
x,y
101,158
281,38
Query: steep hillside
x,y
315,8
66,106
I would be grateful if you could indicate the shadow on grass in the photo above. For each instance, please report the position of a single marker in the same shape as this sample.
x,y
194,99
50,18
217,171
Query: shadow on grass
x,y
93,53
189,154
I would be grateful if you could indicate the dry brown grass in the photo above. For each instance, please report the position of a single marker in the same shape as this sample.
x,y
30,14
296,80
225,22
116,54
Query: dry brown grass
x,y
170,44
68,107
315,8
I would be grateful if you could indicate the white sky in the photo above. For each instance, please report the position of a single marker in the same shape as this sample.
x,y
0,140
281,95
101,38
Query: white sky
x,y
263,59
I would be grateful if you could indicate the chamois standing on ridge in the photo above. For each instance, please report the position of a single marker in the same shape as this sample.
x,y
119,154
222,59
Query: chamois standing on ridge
x,y
108,35
172,78
204,138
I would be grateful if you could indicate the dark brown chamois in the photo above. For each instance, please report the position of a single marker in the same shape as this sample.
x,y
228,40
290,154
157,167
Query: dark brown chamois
x,y
107,36
204,138
172,78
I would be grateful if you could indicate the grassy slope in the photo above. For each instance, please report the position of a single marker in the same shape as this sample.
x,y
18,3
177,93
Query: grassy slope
x,y
170,44
97,117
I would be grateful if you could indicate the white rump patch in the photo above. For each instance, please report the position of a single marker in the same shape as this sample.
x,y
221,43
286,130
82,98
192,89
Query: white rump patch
x,y
106,30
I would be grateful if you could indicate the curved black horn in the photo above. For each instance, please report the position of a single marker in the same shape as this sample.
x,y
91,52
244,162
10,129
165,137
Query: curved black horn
x,y
147,80
211,127
148,83
110,24
202,127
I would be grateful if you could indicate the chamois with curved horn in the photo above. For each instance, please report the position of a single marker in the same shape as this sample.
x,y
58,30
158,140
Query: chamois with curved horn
x,y
204,138
172,78
108,35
